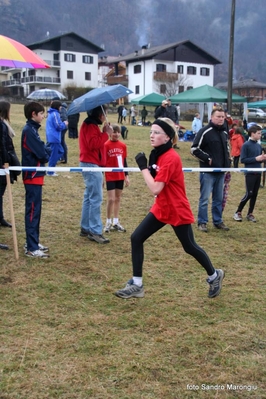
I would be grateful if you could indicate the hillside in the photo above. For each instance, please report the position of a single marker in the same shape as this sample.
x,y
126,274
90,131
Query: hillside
x,y
125,26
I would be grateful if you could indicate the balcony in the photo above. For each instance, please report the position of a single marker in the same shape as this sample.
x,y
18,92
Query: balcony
x,y
41,79
165,76
117,79
31,79
11,83
53,64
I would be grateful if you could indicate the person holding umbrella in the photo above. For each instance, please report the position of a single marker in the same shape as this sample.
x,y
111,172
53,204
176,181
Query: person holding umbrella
x,y
92,154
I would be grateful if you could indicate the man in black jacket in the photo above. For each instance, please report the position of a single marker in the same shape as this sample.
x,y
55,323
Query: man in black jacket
x,y
210,146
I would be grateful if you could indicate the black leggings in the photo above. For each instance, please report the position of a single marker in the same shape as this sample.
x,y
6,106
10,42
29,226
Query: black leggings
x,y
184,233
252,189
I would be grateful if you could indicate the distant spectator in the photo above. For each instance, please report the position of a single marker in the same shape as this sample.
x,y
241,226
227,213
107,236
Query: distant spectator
x,y
196,124
124,114
63,116
144,114
171,112
120,112
73,121
161,110
237,141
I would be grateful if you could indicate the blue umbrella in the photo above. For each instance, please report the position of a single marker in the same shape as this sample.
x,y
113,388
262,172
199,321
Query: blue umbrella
x,y
97,97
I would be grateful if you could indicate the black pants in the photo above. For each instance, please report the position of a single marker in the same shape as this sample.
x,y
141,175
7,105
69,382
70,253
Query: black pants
x,y
252,189
184,233
63,143
236,161
2,192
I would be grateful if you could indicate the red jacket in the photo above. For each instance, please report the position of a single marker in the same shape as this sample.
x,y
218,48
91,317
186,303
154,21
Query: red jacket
x,y
237,141
91,143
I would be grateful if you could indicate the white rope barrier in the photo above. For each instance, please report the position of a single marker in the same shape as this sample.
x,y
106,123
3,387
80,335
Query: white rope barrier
x,y
100,169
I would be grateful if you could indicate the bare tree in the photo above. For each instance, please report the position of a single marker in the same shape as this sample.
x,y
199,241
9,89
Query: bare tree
x,y
169,85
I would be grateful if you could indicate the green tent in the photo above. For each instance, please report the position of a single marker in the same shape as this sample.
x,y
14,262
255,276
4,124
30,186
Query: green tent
x,y
149,99
257,104
205,94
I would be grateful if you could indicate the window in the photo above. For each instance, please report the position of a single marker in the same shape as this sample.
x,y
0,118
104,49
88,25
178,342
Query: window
x,y
136,89
189,87
191,70
205,71
137,69
70,75
70,57
181,89
87,59
180,68
160,68
87,75
162,89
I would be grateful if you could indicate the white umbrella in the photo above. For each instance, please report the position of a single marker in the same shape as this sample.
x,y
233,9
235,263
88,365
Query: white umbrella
x,y
45,95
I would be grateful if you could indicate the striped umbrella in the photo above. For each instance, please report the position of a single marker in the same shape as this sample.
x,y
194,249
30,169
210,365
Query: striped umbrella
x,y
15,55
46,95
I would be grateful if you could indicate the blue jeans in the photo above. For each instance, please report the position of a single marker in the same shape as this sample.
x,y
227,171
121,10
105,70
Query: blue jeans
x,y
92,200
211,183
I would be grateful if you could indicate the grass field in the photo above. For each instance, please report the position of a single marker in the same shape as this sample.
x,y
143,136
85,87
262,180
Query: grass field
x,y
65,335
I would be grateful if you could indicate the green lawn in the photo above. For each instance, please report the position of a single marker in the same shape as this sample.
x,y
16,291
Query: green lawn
x,y
65,335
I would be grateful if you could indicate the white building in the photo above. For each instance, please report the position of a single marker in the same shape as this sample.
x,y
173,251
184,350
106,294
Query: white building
x,y
169,68
73,60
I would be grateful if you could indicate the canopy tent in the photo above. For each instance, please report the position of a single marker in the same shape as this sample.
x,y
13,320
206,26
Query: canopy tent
x,y
149,99
207,94
257,104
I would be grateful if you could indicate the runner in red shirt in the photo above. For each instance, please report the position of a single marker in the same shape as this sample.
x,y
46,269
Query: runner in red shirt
x,y
165,179
116,154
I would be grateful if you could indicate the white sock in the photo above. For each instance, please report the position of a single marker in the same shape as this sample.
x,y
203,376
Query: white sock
x,y
137,281
108,221
115,220
212,277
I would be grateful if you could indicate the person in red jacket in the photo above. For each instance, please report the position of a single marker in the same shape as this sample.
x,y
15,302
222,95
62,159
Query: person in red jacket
x,y
165,179
116,157
92,154
237,141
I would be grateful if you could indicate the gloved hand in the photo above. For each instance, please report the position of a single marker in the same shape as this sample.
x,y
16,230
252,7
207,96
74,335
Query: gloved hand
x,y
141,160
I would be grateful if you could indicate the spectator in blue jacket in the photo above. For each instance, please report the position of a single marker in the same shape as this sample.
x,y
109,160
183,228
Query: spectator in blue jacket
x,y
34,153
196,124
54,127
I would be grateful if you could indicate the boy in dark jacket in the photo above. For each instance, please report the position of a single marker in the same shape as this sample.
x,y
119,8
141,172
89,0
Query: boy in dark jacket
x,y
34,154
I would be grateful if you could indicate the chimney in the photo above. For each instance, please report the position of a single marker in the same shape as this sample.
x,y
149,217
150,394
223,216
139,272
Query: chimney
x,y
144,48
136,52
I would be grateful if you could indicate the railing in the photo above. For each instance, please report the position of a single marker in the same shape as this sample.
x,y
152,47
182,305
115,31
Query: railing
x,y
45,79
11,82
53,63
165,76
122,79
31,79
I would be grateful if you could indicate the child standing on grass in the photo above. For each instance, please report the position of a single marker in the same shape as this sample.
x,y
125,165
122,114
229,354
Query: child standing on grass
x,y
34,154
252,157
116,153
165,179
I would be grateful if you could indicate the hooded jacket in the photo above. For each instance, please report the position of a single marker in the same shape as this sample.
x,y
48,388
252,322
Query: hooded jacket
x,y
54,126
211,142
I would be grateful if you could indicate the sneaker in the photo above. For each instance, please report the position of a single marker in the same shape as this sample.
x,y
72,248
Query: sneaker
x,y
98,238
118,227
238,217
131,290
108,227
4,223
41,248
251,218
216,284
36,254
83,232
202,227
221,226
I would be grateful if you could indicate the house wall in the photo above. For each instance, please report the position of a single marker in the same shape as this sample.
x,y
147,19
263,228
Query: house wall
x,y
148,85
